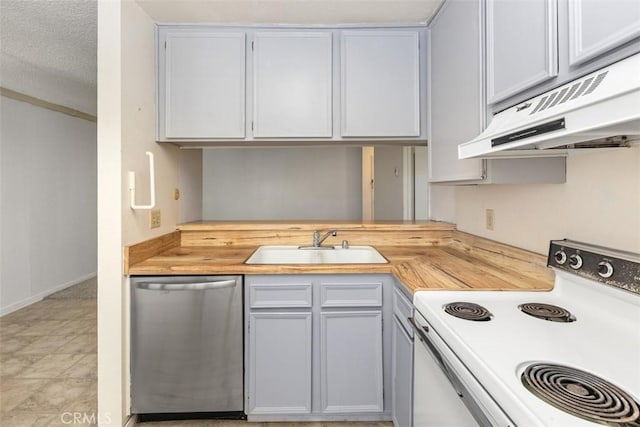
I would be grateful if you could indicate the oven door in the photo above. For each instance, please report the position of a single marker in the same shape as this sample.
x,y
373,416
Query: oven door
x,y
445,393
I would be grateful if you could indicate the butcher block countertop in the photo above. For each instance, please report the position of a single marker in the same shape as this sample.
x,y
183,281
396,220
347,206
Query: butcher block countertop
x,y
422,255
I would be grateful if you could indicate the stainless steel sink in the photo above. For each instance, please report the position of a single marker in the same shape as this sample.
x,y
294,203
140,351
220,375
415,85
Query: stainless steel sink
x,y
282,254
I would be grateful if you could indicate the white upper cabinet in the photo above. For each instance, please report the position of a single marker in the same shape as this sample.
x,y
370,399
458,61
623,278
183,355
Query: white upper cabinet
x,y
534,46
455,89
596,27
204,85
521,46
380,87
235,85
458,107
292,84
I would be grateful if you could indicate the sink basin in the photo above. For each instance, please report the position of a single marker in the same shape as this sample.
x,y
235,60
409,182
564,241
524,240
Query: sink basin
x,y
294,255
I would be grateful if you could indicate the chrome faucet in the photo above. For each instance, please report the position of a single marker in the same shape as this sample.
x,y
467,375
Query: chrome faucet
x,y
317,240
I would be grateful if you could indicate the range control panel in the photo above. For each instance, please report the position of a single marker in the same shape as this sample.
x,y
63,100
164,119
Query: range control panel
x,y
616,268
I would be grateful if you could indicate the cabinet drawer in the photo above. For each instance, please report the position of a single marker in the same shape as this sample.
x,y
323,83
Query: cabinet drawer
x,y
402,309
297,295
367,294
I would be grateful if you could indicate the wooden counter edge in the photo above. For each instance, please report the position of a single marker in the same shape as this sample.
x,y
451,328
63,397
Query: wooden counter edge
x,y
146,249
313,225
495,250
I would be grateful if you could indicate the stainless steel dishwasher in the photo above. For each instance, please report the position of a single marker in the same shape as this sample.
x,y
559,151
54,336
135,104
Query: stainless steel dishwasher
x,y
186,344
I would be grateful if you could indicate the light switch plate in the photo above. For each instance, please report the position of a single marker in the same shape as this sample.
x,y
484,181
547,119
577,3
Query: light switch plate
x,y
490,219
154,218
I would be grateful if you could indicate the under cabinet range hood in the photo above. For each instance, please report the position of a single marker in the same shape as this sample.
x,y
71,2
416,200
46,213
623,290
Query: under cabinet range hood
x,y
598,110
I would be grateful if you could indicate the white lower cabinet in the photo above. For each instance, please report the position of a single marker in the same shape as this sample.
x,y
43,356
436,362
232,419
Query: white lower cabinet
x,y
280,363
315,347
402,360
351,361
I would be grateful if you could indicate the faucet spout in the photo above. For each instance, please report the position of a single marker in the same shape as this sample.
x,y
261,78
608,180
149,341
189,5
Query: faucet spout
x,y
317,240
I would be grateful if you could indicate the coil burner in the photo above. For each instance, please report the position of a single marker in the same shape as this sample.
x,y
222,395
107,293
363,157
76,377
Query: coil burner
x,y
468,311
581,394
547,312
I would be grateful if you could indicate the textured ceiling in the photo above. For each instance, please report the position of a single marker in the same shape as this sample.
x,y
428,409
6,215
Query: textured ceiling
x,y
48,47
48,50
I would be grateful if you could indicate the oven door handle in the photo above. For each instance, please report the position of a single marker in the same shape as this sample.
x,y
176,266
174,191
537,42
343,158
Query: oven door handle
x,y
456,383
422,332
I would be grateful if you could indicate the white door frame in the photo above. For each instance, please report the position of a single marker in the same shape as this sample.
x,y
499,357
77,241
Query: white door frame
x,y
368,193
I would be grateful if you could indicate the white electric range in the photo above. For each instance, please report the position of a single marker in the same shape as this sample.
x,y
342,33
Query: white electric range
x,y
576,364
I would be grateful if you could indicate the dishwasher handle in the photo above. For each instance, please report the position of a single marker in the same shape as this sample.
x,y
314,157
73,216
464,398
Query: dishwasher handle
x,y
198,286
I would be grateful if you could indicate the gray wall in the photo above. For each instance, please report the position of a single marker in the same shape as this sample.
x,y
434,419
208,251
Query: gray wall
x,y
388,188
48,202
190,185
282,183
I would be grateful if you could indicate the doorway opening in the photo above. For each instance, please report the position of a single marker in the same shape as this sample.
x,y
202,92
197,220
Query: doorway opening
x,y
394,183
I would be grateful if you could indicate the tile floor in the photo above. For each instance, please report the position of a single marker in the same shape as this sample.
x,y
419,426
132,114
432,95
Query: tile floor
x,y
48,363
247,424
48,367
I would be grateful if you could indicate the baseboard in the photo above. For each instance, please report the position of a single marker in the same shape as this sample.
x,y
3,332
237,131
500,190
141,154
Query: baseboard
x,y
40,296
132,421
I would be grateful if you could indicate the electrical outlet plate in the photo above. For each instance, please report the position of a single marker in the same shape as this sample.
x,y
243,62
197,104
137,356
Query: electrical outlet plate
x,y
490,219
154,218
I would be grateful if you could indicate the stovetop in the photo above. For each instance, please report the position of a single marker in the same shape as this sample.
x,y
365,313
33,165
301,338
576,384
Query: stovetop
x,y
603,339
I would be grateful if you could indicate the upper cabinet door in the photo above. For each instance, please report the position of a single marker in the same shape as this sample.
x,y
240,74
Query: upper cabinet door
x,y
456,105
292,84
521,46
380,83
596,27
204,85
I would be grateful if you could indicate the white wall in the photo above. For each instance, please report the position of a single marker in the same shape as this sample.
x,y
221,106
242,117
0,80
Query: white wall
x,y
282,183
48,199
599,204
126,96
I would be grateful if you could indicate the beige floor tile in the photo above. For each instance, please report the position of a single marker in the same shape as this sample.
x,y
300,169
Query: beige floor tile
x,y
56,396
83,343
85,367
66,314
8,329
75,326
87,402
15,391
21,419
19,317
219,423
43,328
64,422
72,419
51,366
12,344
12,364
38,345
86,303
47,344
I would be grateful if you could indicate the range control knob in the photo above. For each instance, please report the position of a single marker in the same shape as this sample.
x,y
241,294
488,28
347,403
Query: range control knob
x,y
575,261
605,269
560,257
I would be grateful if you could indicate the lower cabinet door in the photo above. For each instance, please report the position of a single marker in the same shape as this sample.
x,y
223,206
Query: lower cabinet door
x,y
401,376
351,362
279,363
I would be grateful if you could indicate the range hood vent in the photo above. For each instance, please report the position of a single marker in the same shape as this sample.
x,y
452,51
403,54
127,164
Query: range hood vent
x,y
599,110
